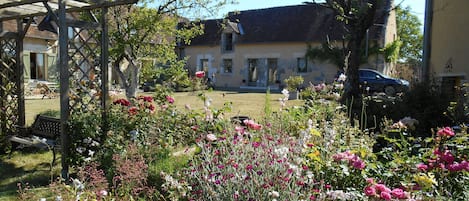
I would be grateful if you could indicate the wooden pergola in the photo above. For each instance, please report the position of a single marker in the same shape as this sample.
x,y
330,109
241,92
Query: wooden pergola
x,y
83,59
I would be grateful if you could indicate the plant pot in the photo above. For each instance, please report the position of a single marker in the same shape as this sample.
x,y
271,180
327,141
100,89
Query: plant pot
x,y
293,95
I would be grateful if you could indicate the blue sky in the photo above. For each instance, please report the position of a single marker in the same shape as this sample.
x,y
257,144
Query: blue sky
x,y
417,6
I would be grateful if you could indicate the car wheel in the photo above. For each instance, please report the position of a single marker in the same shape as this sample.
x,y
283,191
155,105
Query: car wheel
x,y
389,90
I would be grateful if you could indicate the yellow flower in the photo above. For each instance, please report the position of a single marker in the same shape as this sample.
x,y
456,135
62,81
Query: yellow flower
x,y
314,155
315,132
426,181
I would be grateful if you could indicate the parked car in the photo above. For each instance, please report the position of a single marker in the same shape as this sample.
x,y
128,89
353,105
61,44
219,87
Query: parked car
x,y
378,82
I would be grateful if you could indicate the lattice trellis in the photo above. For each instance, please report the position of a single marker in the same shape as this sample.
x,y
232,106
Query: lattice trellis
x,y
85,70
8,87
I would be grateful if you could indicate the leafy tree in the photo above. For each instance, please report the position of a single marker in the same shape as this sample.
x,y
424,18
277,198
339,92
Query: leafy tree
x,y
356,16
140,33
408,30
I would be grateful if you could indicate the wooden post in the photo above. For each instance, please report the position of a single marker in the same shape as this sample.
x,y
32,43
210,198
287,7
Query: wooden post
x,y
104,68
64,86
20,72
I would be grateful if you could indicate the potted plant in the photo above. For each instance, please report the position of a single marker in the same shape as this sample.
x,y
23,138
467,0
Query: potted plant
x,y
293,83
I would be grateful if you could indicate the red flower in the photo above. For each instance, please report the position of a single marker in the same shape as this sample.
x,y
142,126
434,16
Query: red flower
x,y
200,74
146,98
122,102
133,110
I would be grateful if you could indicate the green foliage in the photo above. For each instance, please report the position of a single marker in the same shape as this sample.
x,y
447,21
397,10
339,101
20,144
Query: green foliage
x,y
327,52
409,32
391,51
294,82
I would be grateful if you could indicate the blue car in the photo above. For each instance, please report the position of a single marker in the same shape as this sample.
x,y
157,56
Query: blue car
x,y
374,81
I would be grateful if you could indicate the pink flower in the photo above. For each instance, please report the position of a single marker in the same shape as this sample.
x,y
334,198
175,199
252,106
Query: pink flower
x,y
359,164
252,125
211,137
447,157
170,99
422,167
380,187
370,191
385,195
446,131
200,74
256,144
249,167
398,193
370,180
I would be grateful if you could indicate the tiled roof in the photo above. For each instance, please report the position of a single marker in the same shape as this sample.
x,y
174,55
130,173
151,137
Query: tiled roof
x,y
33,31
299,23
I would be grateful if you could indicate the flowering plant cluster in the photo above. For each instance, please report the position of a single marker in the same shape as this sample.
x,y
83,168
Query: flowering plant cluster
x,y
352,159
381,191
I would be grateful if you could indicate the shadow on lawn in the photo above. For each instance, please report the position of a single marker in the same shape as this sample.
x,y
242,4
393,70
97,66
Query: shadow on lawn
x,y
33,173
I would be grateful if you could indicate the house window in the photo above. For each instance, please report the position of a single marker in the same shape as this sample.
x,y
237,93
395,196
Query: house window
x,y
302,65
203,66
273,66
37,66
227,65
228,42
252,64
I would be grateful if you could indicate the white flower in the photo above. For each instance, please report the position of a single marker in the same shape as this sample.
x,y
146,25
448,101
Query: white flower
x,y
282,151
78,185
90,153
274,194
211,137
103,193
342,77
87,140
80,150
88,159
208,102
57,198
95,144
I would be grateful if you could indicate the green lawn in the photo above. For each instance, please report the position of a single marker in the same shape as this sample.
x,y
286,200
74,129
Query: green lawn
x,y
251,104
33,167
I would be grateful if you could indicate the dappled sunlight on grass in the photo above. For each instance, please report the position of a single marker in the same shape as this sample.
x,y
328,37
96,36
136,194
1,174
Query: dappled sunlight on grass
x,y
31,168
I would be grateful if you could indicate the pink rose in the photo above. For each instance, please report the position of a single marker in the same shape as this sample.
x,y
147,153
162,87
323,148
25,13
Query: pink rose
x,y
385,195
422,167
380,187
398,193
370,191
446,131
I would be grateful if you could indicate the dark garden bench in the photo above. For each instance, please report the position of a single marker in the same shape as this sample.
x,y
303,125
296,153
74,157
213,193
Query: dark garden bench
x,y
43,134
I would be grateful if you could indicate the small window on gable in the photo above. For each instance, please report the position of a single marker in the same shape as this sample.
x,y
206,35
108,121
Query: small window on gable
x,y
227,65
228,42
302,65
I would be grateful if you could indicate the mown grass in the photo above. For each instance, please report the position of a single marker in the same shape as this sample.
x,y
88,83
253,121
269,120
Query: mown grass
x,y
32,167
